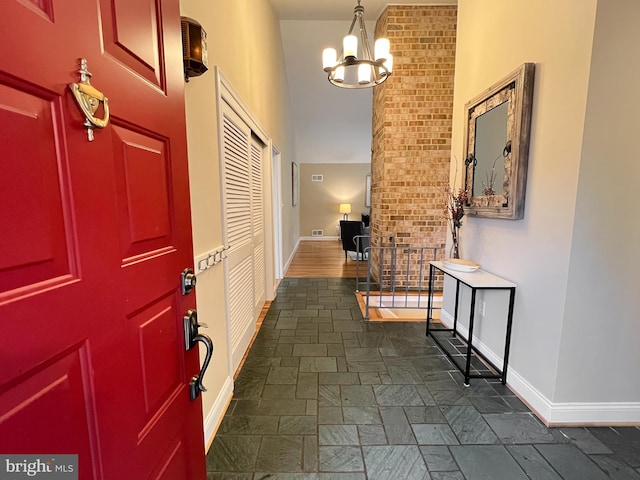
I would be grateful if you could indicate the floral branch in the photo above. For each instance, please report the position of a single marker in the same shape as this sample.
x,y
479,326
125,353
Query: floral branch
x,y
487,188
455,202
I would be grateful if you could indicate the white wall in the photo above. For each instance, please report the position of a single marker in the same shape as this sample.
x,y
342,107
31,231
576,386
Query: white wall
x,y
599,354
244,41
494,38
331,124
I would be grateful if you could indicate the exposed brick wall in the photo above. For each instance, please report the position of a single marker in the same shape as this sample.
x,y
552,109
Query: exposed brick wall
x,y
412,123
412,120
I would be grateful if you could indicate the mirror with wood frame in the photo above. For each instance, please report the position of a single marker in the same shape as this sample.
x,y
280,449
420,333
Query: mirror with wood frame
x,y
496,146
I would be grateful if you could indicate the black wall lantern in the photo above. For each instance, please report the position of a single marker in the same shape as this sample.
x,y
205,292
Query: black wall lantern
x,y
194,48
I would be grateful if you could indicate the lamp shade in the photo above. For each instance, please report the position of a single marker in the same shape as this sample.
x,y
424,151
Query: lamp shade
x,y
364,73
350,46
329,57
381,49
345,208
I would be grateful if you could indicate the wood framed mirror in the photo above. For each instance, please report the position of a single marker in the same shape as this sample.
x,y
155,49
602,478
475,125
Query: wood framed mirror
x,y
496,146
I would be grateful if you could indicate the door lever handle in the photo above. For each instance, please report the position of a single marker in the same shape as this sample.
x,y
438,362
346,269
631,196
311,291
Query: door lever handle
x,y
195,385
191,326
191,337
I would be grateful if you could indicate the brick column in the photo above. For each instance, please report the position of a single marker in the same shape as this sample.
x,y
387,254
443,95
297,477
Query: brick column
x,y
412,123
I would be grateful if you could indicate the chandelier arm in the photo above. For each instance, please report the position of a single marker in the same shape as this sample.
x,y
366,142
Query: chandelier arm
x,y
377,79
366,48
353,24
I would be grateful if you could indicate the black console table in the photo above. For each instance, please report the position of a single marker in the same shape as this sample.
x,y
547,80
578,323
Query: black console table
x,y
478,280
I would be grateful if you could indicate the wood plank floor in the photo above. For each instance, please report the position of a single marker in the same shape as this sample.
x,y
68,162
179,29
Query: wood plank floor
x,y
323,259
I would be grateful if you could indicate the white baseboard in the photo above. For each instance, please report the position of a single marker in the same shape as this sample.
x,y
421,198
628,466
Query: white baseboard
x,y
324,237
290,259
213,418
558,413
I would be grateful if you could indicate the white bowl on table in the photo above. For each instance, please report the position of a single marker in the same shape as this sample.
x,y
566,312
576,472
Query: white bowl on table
x,y
461,265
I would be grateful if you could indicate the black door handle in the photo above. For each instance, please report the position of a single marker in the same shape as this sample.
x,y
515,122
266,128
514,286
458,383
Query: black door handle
x,y
195,385
192,337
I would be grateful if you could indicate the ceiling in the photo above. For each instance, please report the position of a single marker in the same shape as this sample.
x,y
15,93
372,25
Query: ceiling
x,y
331,124
339,9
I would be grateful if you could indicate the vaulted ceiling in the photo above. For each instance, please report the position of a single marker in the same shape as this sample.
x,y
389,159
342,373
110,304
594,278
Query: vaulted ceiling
x,y
331,124
339,9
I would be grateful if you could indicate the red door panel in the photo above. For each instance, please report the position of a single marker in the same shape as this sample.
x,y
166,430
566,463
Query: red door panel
x,y
144,176
131,34
160,373
44,7
94,238
63,381
35,204
59,380
176,460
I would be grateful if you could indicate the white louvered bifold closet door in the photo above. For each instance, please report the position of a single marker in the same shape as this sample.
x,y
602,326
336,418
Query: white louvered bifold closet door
x,y
244,231
257,225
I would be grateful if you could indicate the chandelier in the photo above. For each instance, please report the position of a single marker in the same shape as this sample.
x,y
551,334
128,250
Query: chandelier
x,y
351,71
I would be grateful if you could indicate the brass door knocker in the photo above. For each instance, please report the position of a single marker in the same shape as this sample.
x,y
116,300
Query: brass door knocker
x,y
88,98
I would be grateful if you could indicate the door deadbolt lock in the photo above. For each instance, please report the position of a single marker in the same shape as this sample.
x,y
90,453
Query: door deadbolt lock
x,y
187,281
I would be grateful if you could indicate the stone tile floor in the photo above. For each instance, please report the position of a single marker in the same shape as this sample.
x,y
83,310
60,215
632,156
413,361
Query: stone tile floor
x,y
325,395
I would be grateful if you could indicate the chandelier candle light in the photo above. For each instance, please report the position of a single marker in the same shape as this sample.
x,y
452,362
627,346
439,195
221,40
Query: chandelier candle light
x,y
349,71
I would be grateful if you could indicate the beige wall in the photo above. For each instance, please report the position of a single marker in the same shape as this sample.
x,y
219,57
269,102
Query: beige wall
x,y
573,337
320,201
491,43
244,42
599,354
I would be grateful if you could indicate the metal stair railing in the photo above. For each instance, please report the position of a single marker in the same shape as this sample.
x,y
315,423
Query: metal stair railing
x,y
398,271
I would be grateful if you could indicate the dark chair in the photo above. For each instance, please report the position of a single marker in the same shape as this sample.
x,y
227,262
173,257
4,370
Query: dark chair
x,y
348,230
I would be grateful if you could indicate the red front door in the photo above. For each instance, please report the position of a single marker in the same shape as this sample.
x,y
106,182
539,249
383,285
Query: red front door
x,y
93,238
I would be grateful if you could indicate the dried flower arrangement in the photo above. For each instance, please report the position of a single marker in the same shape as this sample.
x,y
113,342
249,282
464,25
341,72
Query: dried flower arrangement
x,y
454,211
455,200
